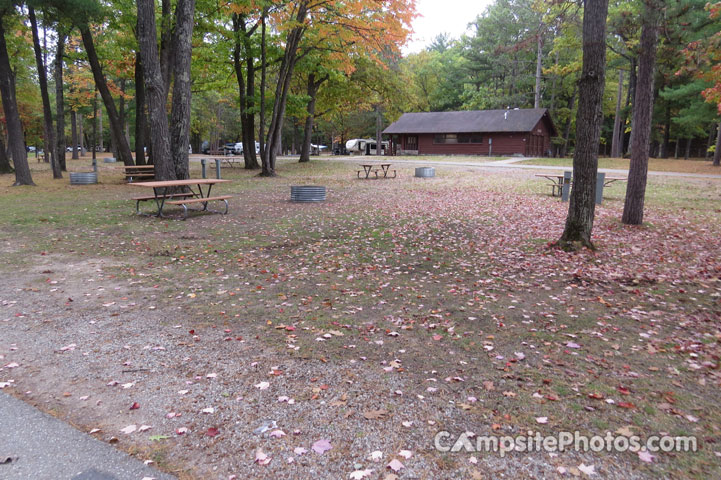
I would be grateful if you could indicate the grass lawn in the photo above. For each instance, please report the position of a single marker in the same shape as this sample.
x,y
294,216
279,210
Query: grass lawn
x,y
654,164
395,310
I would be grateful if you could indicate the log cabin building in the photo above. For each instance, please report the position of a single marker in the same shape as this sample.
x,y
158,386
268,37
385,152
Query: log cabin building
x,y
526,132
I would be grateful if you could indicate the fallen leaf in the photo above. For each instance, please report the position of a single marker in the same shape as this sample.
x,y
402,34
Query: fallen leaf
x,y
375,414
360,474
645,456
407,454
129,429
395,465
261,458
321,446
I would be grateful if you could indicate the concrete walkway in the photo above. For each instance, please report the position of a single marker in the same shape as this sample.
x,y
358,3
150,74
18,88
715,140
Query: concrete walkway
x,y
37,446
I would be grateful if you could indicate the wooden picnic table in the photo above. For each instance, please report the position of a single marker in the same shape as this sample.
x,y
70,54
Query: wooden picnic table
x,y
557,182
369,168
165,191
133,172
229,160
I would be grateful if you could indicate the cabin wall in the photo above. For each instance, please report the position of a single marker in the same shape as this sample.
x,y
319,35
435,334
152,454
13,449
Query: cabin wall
x,y
502,144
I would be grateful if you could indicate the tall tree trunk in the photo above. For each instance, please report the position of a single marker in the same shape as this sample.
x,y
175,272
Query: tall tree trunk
x,y
281,93
581,210
140,119
16,138
688,148
313,87
567,129
50,147
95,128
642,112
249,121
711,136
121,114
379,129
617,138
245,91
180,115
60,99
717,153
263,79
116,131
666,145
539,65
552,107
4,160
98,126
630,95
166,43
154,91
81,135
74,133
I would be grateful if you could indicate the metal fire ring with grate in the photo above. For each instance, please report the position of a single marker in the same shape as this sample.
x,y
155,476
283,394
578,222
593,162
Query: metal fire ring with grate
x,y
425,172
83,178
307,193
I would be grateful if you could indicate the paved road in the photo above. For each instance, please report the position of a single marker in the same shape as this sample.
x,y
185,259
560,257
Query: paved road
x,y
511,163
37,446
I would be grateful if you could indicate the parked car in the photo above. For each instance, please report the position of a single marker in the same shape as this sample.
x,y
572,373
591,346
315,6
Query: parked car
x,y
238,148
228,148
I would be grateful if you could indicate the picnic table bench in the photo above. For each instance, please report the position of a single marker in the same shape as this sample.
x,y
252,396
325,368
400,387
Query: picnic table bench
x,y
556,182
228,160
165,192
375,169
134,172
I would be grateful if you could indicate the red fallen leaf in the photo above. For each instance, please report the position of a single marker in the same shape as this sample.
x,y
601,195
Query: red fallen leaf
x,y
135,406
290,328
324,387
623,390
596,396
553,398
212,432
192,332
437,337
626,405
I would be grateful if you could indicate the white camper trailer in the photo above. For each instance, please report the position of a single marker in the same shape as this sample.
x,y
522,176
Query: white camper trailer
x,y
363,146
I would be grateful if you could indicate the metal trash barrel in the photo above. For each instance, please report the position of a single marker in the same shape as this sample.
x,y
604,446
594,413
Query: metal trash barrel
x,y
109,160
307,193
425,172
83,178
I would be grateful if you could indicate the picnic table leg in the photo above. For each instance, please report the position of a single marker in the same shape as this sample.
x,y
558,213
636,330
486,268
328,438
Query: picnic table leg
x,y
160,201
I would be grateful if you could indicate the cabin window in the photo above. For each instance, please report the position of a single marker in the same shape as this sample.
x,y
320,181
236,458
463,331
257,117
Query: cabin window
x,y
412,142
458,138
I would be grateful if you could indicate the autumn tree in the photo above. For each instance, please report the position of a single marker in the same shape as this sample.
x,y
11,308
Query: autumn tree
x,y
581,210
16,137
642,111
703,61
380,24
169,143
50,145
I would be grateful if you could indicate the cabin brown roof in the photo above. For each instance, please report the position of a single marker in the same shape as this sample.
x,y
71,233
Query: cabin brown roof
x,y
482,121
